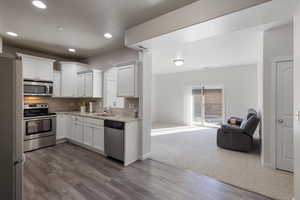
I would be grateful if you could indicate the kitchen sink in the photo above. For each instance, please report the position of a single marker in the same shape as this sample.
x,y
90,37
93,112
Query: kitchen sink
x,y
104,114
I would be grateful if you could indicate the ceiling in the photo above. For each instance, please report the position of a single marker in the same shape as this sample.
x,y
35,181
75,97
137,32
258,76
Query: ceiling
x,y
239,48
225,41
84,22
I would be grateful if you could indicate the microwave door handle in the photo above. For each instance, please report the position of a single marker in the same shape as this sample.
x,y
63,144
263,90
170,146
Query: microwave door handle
x,y
47,89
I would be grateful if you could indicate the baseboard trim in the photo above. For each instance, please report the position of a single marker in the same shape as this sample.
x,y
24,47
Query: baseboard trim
x,y
145,156
60,141
267,164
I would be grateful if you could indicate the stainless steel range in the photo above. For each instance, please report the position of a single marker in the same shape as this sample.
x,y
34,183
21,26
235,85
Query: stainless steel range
x,y
40,127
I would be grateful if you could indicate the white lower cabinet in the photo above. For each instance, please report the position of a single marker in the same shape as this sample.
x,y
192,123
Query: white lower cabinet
x,y
88,136
94,134
60,129
77,129
83,130
99,138
89,133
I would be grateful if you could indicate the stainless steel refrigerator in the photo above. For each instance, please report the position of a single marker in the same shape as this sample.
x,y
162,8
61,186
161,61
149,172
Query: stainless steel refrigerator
x,y
11,125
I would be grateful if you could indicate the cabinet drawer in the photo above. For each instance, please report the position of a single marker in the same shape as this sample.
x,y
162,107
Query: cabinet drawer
x,y
77,118
95,122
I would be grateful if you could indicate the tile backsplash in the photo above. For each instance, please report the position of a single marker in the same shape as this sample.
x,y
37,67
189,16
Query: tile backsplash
x,y
60,104
73,104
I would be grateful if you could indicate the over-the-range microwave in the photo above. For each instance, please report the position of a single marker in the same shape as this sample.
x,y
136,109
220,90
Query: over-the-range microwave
x,y
38,88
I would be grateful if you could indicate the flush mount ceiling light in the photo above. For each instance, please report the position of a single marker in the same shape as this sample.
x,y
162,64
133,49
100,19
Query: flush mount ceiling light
x,y
72,50
39,4
12,34
178,62
60,28
108,35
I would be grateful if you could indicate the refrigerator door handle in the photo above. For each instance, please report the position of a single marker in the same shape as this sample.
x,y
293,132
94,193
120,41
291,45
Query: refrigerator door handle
x,y
16,162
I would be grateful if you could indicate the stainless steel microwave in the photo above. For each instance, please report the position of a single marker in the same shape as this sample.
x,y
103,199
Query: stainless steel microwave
x,y
38,88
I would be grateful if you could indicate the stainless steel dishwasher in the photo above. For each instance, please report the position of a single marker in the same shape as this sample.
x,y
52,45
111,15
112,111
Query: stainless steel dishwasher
x,y
114,139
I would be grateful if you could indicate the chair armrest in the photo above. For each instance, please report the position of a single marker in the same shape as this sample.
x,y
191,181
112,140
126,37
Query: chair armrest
x,y
232,129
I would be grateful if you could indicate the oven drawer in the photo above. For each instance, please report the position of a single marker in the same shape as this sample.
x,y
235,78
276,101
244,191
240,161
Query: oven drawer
x,y
37,143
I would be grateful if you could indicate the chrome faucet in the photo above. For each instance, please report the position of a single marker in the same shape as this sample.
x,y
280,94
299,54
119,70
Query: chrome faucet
x,y
108,109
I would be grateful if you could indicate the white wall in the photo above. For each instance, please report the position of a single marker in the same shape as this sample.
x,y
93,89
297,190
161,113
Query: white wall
x,y
277,43
172,92
297,101
145,105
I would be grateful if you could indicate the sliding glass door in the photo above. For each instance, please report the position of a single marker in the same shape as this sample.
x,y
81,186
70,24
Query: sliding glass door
x,y
207,106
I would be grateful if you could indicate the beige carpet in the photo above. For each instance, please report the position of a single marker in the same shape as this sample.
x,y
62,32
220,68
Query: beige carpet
x,y
194,148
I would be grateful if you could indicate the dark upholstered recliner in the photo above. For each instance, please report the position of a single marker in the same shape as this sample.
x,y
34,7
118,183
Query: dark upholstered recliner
x,y
238,137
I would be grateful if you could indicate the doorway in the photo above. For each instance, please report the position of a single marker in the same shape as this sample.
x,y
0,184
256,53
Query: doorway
x,y
207,106
284,115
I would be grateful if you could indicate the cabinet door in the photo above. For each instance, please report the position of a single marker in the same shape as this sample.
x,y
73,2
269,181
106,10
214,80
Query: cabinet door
x,y
99,138
56,84
59,128
126,81
88,77
68,128
88,135
73,132
29,67
69,80
79,132
44,70
80,85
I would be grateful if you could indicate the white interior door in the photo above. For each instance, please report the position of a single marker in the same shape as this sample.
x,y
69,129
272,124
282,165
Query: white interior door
x,y
285,144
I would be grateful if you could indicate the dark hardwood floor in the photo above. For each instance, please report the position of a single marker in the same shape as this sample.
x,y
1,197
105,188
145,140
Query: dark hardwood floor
x,y
70,172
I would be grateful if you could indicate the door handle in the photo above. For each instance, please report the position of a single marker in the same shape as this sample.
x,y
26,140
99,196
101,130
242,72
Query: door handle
x,y
280,121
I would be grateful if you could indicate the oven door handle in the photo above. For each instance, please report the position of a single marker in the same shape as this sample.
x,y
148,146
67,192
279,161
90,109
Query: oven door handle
x,y
39,118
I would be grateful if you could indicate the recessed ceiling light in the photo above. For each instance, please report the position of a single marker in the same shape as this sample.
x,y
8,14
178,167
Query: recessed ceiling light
x,y
12,34
60,28
107,35
39,4
72,50
178,62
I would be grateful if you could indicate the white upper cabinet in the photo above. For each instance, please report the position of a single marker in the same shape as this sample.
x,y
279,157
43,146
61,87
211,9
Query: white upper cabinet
x,y
79,80
89,83
127,80
56,84
80,85
37,68
111,98
69,79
